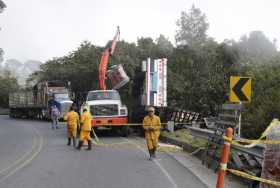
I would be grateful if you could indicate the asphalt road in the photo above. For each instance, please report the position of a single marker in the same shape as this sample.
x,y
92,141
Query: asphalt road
x,y
32,156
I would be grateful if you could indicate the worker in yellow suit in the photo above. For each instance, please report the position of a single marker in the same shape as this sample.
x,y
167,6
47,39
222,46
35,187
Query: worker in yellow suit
x,y
152,125
85,129
72,119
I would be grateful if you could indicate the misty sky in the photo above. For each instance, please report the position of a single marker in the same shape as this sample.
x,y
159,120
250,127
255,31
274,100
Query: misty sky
x,y
42,29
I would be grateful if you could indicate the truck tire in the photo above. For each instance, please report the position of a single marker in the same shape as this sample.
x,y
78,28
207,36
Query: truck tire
x,y
125,131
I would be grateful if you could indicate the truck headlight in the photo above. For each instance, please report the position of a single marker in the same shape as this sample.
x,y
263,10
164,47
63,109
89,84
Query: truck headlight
x,y
123,111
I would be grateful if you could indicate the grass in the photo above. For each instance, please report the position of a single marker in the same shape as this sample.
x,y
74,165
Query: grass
x,y
185,136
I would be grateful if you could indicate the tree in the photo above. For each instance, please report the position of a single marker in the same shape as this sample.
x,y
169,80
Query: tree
x,y
8,84
192,28
164,46
1,55
2,7
80,67
256,48
265,100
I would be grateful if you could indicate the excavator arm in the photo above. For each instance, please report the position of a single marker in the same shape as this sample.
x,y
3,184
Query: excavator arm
x,y
105,59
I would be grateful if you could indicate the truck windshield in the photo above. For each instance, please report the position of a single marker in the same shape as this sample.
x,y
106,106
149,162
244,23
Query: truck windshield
x,y
103,95
61,96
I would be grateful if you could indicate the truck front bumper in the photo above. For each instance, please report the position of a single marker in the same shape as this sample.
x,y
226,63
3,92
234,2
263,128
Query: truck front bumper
x,y
109,121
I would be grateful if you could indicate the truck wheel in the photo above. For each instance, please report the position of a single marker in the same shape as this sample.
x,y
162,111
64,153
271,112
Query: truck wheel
x,y
125,131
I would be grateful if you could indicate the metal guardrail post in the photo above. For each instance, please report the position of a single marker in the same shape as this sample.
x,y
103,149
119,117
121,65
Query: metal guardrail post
x,y
224,159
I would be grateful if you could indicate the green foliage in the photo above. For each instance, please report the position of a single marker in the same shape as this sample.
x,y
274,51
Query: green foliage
x,y
265,100
199,79
8,84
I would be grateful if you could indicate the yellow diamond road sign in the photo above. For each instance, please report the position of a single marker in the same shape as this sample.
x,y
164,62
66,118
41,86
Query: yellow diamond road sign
x,y
240,89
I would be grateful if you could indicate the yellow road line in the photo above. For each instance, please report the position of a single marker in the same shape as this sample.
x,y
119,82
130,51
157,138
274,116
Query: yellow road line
x,y
29,159
21,158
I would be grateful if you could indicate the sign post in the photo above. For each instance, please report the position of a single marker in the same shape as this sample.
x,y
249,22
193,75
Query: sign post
x,y
240,92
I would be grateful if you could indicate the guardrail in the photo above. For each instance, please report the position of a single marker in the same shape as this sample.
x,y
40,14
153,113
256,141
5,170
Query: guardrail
x,y
256,151
4,111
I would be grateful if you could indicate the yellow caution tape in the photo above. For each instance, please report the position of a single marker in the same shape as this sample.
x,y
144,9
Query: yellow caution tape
x,y
248,176
162,147
228,139
255,141
252,143
127,124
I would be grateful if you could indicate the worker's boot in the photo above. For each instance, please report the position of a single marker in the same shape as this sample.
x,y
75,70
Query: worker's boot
x,y
69,142
89,145
154,153
151,155
80,145
74,142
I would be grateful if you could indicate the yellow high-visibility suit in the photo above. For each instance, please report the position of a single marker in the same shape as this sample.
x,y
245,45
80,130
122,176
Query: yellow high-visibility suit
x,y
152,127
72,119
86,126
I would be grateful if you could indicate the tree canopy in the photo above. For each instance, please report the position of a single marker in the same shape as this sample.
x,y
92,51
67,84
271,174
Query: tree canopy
x,y
8,84
2,6
255,48
192,28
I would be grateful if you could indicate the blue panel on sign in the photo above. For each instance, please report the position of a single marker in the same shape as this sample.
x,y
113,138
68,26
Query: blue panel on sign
x,y
154,80
152,66
152,98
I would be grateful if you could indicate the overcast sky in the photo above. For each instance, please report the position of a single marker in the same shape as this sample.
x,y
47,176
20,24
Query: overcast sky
x,y
42,29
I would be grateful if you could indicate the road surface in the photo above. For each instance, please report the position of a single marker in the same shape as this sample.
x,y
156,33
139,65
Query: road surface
x,y
33,155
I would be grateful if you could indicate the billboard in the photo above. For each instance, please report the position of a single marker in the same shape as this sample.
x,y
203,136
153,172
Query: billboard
x,y
155,91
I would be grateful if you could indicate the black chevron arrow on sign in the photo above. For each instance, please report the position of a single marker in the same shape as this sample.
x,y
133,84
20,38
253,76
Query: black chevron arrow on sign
x,y
237,89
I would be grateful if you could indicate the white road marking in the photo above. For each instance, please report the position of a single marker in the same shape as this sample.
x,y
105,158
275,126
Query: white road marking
x,y
174,185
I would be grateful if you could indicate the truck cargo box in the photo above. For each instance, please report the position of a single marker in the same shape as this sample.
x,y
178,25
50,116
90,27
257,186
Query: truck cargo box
x,y
21,99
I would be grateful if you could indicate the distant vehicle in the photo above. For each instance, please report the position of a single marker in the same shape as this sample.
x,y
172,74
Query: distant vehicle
x,y
37,102
106,108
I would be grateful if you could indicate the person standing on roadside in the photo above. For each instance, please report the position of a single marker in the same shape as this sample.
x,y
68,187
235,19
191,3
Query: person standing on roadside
x,y
72,119
152,125
55,116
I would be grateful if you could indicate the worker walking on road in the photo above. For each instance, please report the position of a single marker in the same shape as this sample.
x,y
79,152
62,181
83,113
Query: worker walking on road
x,y
72,119
85,129
152,125
54,116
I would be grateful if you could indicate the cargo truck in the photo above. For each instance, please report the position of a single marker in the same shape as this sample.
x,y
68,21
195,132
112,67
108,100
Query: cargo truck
x,y
36,102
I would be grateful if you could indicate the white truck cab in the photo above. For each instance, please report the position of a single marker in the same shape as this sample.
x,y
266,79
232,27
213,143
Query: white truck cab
x,y
106,108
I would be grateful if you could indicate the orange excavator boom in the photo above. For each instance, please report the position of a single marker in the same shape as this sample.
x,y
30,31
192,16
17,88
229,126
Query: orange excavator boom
x,y
105,59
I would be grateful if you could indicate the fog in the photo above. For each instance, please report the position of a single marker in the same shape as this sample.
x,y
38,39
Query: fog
x,y
42,29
